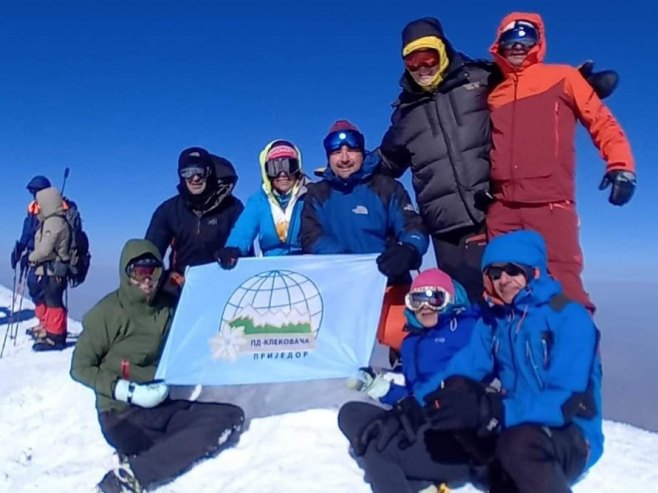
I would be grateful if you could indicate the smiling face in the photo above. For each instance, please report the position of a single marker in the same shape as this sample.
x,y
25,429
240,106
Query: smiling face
x,y
345,161
507,280
515,55
196,185
283,183
427,318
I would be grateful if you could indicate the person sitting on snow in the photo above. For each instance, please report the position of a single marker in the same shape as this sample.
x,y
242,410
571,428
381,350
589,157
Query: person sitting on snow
x,y
439,323
273,214
525,394
117,355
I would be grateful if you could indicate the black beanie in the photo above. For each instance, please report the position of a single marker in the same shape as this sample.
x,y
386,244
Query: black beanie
x,y
194,156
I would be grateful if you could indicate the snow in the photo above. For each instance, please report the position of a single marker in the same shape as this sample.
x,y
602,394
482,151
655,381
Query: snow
x,y
51,440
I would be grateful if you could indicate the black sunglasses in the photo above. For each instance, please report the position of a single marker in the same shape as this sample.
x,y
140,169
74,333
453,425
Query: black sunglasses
x,y
496,271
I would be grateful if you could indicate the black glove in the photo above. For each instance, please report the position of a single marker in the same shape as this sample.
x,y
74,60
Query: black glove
x,y
227,257
623,185
16,255
604,82
399,259
402,422
171,285
465,404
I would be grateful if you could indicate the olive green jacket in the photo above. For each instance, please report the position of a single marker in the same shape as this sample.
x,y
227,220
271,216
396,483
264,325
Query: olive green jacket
x,y
123,335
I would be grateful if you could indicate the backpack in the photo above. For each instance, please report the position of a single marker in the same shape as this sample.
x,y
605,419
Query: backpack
x,y
80,258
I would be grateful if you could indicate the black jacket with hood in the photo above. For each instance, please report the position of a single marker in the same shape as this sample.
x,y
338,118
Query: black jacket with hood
x,y
197,226
444,135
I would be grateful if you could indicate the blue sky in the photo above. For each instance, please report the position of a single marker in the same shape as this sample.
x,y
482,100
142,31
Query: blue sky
x,y
115,90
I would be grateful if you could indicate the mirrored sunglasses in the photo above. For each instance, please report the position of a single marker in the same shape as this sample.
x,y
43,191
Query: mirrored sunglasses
x,y
435,299
192,171
523,35
349,138
283,165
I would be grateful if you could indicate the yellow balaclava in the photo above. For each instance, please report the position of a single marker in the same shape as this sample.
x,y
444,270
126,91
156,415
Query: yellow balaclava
x,y
432,43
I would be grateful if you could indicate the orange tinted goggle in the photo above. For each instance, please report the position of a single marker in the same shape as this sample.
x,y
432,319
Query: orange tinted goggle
x,y
421,58
143,269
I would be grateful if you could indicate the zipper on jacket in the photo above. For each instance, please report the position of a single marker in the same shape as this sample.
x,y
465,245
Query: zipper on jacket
x,y
198,225
556,128
544,347
533,364
451,160
512,339
513,137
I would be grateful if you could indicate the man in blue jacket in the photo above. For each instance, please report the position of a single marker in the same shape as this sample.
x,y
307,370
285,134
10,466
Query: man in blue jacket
x,y
25,245
353,210
528,383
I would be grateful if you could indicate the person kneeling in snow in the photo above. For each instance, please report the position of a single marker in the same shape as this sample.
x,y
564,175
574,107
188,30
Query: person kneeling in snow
x,y
117,355
395,458
527,387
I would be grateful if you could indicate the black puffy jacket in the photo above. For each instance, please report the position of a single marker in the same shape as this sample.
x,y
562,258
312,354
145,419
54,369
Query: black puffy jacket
x,y
445,137
195,231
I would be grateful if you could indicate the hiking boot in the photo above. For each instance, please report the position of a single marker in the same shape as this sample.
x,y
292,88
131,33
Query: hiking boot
x,y
120,480
48,344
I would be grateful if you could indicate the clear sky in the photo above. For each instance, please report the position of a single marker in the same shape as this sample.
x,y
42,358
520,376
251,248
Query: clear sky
x,y
116,89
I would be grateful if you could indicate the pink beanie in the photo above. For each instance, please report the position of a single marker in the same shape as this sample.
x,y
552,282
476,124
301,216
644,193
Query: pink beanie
x,y
282,148
433,278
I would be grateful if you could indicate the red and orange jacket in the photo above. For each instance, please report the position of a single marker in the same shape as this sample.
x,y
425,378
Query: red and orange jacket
x,y
534,113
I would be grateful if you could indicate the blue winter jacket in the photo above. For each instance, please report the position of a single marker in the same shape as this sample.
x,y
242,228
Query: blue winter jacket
x,y
545,357
362,214
425,352
30,226
257,220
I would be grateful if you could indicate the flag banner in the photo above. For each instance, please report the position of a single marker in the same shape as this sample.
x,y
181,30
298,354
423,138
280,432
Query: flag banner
x,y
274,319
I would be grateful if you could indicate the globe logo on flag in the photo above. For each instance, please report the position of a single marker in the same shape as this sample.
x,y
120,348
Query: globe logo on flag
x,y
276,312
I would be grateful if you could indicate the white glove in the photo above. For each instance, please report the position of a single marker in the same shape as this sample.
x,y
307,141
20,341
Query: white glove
x,y
148,394
372,384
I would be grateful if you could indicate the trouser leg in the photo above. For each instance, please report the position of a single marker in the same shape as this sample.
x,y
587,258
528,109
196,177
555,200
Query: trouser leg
x,y
192,432
396,470
458,254
535,459
559,225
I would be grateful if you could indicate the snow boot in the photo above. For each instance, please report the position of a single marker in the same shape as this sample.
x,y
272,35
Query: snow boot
x,y
120,480
51,342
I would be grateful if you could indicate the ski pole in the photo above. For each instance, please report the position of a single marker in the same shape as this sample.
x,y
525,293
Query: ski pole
x,y
11,313
21,289
66,175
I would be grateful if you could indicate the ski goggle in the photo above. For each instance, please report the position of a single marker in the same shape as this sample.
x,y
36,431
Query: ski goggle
x,y
336,140
435,299
496,271
143,268
286,165
521,34
192,171
421,58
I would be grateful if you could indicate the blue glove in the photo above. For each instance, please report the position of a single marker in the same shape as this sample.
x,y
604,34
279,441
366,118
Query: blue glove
x,y
148,394
623,185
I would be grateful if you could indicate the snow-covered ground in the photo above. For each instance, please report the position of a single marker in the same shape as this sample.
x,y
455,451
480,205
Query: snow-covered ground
x,y
51,442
